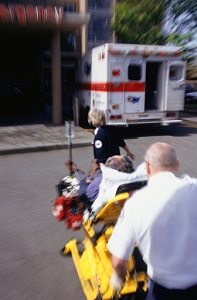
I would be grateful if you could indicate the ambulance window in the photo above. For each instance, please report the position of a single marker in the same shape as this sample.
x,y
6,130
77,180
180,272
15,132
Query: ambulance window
x,y
176,73
134,72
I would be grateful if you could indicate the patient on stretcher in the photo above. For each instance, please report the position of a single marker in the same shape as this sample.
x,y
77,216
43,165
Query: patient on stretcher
x,y
117,170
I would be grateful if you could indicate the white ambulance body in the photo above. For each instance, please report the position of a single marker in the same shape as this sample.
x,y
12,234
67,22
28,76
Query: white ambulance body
x,y
133,84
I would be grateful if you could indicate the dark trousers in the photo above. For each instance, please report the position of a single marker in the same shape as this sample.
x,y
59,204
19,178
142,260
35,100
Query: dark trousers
x,y
158,292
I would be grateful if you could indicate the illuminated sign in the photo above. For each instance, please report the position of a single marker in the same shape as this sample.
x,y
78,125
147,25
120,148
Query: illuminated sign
x,y
30,14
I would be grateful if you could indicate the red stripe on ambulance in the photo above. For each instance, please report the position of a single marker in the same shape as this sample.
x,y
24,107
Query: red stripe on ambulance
x,y
113,86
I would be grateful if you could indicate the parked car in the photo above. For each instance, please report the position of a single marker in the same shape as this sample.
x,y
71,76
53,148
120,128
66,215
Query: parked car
x,y
190,94
189,89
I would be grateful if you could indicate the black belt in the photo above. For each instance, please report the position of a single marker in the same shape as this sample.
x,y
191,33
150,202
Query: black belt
x,y
161,293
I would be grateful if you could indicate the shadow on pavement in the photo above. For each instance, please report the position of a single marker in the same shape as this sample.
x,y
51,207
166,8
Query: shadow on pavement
x,y
184,129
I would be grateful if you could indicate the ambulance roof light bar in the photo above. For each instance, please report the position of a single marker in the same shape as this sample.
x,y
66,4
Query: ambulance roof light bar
x,y
147,51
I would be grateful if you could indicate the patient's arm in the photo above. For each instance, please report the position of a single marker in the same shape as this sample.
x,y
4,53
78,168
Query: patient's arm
x,y
99,202
115,175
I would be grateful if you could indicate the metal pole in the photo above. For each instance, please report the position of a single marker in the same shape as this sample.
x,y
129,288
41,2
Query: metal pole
x,y
70,149
70,133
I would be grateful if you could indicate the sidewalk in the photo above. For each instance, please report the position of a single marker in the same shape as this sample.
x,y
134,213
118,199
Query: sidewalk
x,y
40,137
43,137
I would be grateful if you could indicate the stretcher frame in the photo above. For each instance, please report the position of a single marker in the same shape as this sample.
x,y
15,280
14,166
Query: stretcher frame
x,y
93,264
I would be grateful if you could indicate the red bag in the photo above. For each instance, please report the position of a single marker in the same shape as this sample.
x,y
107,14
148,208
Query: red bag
x,y
59,208
74,221
69,210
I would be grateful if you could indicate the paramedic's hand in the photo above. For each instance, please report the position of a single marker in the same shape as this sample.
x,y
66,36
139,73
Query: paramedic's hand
x,y
131,155
116,282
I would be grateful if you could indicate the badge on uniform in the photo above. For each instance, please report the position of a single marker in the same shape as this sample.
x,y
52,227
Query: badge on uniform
x,y
98,144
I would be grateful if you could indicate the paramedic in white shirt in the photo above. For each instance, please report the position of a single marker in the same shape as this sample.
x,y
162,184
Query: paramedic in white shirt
x,y
162,219
117,170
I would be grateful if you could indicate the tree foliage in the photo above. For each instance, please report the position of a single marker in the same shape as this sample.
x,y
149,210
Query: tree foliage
x,y
157,22
181,17
139,21
183,14
191,71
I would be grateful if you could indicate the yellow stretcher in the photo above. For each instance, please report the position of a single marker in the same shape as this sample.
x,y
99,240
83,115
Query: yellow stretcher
x,y
93,263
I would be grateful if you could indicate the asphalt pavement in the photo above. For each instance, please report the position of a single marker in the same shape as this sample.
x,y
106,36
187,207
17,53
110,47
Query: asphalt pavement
x,y
43,137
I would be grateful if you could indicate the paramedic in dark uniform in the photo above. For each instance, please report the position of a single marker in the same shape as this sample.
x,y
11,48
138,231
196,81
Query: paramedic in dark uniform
x,y
107,139
161,219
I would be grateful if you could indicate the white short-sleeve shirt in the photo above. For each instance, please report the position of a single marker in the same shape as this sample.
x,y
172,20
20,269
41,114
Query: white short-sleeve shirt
x,y
162,219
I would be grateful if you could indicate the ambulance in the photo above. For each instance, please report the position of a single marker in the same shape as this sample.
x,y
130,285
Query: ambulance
x,y
133,84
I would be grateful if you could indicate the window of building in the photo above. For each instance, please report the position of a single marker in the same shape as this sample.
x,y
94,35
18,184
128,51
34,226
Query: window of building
x,y
69,43
70,7
99,3
134,72
101,29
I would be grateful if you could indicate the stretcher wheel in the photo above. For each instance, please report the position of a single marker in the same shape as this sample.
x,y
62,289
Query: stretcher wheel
x,y
99,297
80,248
62,251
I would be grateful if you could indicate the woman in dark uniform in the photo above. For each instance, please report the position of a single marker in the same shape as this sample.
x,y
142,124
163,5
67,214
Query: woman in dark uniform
x,y
107,141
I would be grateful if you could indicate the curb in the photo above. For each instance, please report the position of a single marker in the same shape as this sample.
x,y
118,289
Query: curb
x,y
41,148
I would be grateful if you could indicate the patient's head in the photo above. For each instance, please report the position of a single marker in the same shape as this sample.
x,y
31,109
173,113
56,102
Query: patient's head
x,y
120,163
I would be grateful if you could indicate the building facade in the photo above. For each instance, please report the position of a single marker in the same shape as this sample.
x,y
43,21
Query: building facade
x,y
41,44
99,27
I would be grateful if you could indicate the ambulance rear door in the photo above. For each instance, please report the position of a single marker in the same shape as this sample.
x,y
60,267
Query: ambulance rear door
x,y
175,86
134,89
